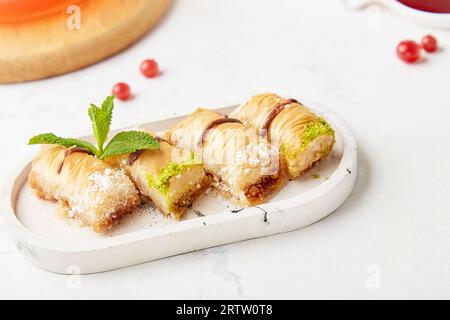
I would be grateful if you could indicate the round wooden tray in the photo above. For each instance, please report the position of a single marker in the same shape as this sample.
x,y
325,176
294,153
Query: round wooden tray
x,y
57,44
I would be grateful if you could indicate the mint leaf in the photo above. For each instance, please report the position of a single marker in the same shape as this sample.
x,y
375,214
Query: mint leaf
x,y
50,138
122,143
129,142
101,121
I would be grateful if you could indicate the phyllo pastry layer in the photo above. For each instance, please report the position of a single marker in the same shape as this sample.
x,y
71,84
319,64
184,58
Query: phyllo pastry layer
x,y
302,137
171,178
245,169
87,189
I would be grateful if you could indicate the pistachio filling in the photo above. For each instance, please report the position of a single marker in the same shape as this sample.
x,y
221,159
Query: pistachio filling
x,y
311,132
315,130
162,181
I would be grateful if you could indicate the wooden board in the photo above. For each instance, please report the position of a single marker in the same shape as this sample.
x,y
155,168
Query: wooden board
x,y
50,46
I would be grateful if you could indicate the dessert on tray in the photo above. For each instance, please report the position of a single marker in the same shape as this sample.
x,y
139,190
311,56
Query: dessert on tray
x,y
73,172
303,138
248,157
86,188
170,178
245,168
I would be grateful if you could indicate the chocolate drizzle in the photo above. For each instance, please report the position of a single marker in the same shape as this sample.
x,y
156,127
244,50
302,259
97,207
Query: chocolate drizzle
x,y
135,155
265,129
213,124
159,139
68,153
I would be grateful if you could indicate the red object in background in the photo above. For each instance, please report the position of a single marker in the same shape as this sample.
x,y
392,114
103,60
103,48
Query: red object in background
x,y
429,43
122,91
408,51
18,10
435,6
149,68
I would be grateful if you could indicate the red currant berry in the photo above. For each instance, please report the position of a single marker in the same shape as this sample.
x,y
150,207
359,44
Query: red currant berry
x,y
122,91
429,43
408,51
149,68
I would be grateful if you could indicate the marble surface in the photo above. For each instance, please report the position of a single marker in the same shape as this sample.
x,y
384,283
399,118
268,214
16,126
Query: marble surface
x,y
391,239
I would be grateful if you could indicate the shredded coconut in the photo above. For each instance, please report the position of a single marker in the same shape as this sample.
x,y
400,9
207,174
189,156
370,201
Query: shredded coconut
x,y
256,154
105,181
105,193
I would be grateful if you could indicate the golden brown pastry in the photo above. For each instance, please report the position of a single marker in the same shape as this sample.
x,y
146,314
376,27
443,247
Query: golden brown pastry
x,y
303,138
170,178
246,169
86,188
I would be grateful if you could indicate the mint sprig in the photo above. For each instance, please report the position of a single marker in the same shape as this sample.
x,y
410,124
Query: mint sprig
x,y
129,142
50,138
101,121
122,143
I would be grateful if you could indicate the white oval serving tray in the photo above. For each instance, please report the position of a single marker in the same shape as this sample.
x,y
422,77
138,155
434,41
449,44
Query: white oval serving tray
x,y
59,245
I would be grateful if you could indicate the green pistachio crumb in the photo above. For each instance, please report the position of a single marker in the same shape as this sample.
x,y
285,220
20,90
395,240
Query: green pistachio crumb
x,y
162,181
315,130
311,132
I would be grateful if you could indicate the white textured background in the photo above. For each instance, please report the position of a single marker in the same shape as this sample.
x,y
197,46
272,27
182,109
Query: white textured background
x,y
394,228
